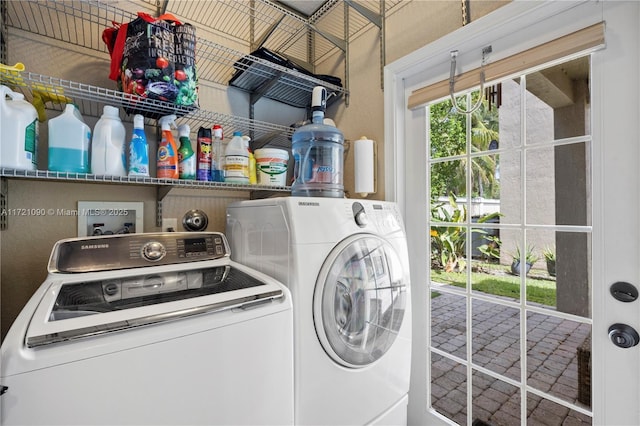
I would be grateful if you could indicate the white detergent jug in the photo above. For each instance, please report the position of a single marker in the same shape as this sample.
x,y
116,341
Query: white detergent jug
x,y
18,131
108,154
236,160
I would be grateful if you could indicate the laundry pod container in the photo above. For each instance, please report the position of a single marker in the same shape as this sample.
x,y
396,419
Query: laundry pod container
x,y
318,150
271,166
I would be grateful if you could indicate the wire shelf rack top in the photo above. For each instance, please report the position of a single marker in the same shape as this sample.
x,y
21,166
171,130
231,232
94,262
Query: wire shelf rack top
x,y
137,180
56,92
81,23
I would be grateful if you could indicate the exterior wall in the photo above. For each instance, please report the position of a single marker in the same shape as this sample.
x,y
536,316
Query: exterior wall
x,y
539,162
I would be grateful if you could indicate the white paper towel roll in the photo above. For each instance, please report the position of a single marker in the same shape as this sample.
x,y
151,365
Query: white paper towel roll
x,y
364,166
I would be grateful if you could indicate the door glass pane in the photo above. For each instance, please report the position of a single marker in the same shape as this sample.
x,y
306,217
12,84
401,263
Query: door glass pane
x,y
573,273
496,342
448,323
509,184
485,241
495,402
558,104
485,128
557,185
507,282
541,411
448,260
560,277
448,130
485,180
448,240
559,357
510,114
449,388
448,178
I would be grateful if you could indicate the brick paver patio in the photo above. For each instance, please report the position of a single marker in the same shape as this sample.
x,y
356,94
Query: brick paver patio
x,y
552,364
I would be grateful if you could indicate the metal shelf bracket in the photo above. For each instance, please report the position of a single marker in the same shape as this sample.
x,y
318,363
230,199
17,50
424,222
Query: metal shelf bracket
x,y
161,192
263,38
374,18
4,202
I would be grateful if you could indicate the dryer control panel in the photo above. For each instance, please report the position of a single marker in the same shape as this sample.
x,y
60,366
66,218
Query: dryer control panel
x,y
111,252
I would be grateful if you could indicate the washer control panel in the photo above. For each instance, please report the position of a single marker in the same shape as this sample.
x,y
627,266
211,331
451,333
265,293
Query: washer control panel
x,y
380,217
105,253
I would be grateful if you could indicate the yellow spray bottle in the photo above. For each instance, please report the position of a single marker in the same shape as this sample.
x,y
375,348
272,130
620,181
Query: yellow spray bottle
x,y
252,162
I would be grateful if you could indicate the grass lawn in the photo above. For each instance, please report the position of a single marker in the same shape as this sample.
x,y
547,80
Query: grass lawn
x,y
500,283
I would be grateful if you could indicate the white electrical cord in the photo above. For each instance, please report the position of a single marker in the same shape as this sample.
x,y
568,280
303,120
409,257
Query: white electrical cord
x,y
452,74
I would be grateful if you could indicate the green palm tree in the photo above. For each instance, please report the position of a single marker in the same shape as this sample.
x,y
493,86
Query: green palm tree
x,y
448,137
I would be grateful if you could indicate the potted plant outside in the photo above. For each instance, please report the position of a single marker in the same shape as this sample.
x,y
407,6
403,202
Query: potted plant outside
x,y
549,254
529,259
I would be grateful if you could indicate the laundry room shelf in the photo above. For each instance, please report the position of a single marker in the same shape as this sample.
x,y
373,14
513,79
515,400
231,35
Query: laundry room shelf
x,y
81,23
164,186
136,180
55,93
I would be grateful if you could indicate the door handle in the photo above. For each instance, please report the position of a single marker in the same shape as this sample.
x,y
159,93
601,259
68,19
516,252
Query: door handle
x,y
3,389
623,335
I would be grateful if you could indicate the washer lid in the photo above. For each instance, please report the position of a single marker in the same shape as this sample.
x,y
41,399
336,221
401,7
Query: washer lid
x,y
359,300
80,308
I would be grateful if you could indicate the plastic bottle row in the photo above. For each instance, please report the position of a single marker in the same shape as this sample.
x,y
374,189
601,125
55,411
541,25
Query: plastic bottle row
x,y
234,162
74,148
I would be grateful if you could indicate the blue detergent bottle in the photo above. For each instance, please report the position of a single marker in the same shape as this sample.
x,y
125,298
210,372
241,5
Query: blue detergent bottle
x,y
138,149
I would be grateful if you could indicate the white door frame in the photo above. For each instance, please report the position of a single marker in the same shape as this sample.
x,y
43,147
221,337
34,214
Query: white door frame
x,y
615,174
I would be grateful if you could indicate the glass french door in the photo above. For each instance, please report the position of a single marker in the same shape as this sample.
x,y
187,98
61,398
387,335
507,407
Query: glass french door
x,y
557,156
510,232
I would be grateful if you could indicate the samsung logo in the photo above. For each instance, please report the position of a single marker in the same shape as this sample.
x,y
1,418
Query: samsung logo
x,y
308,203
93,246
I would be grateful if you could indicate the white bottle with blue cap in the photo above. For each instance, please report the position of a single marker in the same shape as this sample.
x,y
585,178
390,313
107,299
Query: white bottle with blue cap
x,y
108,155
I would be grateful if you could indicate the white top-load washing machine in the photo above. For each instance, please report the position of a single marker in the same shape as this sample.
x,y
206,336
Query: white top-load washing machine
x,y
150,329
346,265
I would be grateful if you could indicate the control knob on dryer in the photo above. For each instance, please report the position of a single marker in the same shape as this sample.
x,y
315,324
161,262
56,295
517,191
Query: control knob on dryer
x,y
359,215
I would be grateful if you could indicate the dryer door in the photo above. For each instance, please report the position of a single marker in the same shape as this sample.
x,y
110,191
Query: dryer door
x,y
359,300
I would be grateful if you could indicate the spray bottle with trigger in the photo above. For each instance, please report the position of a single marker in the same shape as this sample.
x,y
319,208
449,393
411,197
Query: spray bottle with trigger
x,y
186,156
167,161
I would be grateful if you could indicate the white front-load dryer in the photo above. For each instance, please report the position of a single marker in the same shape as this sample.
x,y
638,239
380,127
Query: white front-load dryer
x,y
345,263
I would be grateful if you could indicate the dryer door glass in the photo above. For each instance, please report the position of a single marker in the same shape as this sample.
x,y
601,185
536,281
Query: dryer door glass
x,y
359,300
